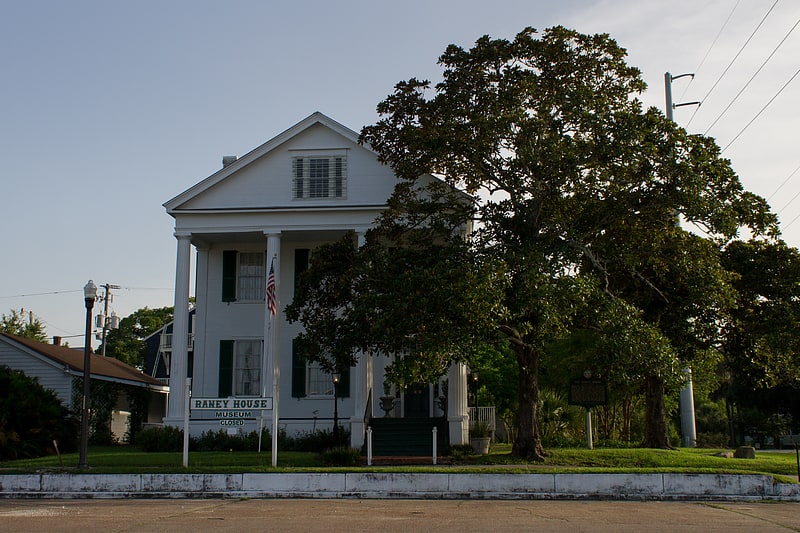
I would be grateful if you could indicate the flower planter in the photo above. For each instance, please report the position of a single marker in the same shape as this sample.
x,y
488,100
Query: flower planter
x,y
480,445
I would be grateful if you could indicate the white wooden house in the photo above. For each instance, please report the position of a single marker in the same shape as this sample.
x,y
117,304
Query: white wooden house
x,y
58,368
268,210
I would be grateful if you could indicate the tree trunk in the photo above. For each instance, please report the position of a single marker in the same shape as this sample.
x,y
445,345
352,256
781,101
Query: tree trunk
x,y
528,442
656,434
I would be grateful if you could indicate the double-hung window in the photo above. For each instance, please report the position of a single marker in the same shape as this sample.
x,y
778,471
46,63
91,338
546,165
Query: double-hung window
x,y
309,379
319,176
240,368
243,276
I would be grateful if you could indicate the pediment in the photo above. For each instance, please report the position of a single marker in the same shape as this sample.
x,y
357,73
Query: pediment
x,y
266,178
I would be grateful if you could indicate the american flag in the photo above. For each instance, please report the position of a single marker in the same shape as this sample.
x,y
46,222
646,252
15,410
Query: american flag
x,y
272,300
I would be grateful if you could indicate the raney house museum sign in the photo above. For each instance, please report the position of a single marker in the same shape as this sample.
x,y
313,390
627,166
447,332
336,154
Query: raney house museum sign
x,y
231,411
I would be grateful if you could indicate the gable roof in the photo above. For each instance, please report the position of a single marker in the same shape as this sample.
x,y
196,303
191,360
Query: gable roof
x,y
106,368
255,154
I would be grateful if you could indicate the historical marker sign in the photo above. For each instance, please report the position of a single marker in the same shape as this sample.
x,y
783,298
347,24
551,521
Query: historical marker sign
x,y
588,392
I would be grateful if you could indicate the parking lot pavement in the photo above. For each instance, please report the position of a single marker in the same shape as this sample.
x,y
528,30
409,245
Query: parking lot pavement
x,y
219,516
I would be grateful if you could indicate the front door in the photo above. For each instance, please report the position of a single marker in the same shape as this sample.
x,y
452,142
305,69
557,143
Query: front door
x,y
416,403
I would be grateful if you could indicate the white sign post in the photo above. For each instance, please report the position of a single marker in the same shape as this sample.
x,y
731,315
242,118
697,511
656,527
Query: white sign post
x,y
186,399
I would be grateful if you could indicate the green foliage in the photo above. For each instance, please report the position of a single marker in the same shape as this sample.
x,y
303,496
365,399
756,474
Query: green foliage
x,y
102,400
316,441
17,323
480,429
585,187
31,418
139,401
761,343
160,439
127,342
460,452
221,440
170,439
341,456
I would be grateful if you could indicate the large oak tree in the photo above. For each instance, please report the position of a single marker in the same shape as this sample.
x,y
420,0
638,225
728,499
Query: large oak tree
x,y
574,178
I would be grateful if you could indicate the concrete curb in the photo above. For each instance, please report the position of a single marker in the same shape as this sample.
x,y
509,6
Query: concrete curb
x,y
377,485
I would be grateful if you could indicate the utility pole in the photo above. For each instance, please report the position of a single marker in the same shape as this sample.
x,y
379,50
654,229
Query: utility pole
x,y
105,321
668,79
688,426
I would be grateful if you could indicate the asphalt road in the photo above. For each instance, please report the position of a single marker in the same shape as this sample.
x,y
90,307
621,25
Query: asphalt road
x,y
176,516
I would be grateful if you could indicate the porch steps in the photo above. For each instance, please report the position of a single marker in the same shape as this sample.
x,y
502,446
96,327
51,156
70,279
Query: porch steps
x,y
408,436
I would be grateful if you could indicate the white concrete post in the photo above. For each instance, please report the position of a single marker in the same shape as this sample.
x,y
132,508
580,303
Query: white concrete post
x,y
435,432
369,446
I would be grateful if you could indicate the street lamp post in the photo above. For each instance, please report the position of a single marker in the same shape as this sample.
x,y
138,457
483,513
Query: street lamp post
x,y
89,296
336,378
475,380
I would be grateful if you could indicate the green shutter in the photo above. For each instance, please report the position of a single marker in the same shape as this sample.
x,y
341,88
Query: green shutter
x,y
301,256
298,373
225,369
229,275
343,389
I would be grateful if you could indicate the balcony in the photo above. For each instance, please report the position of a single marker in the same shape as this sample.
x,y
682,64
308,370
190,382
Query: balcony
x,y
165,344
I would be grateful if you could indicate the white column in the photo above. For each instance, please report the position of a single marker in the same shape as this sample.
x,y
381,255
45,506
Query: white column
x,y
178,363
360,383
457,417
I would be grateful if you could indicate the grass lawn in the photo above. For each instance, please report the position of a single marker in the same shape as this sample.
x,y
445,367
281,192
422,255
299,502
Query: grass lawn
x,y
128,459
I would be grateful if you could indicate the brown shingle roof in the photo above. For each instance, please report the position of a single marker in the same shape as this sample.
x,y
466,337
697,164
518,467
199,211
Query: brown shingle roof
x,y
100,366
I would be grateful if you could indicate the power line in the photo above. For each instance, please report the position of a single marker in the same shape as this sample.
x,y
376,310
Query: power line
x,y
736,56
790,222
41,294
762,110
702,61
81,290
787,203
784,183
752,77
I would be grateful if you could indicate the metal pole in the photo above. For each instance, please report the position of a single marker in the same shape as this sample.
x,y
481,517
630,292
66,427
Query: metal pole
x,y
668,91
105,317
589,444
87,375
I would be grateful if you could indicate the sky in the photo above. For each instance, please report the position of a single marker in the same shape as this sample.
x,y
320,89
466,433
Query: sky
x,y
108,109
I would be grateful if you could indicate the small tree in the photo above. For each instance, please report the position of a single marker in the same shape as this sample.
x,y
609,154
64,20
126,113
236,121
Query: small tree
x,y
31,418
17,323
127,342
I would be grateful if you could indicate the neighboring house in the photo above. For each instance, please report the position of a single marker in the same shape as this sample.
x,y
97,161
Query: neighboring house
x,y
158,350
263,212
60,369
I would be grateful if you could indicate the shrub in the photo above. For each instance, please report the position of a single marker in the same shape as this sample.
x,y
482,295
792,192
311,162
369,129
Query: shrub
x,y
31,418
160,439
460,451
316,441
341,456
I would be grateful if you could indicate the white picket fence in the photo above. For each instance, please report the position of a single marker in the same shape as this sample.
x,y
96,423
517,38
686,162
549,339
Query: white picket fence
x,y
482,414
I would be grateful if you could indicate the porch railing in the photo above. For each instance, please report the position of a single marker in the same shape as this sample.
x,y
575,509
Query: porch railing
x,y
166,342
482,414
